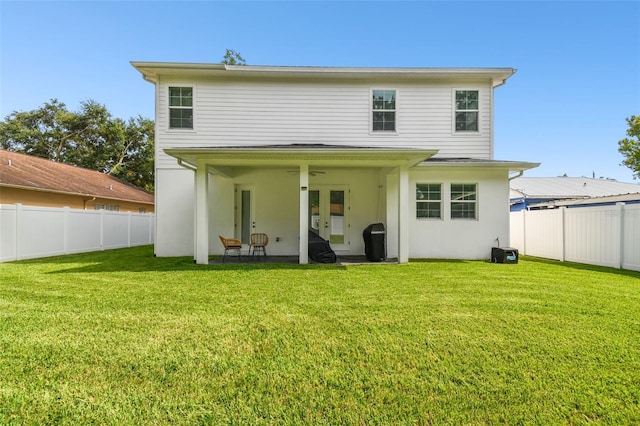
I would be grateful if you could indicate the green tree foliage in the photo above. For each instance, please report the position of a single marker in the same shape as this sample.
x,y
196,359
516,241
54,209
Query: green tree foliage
x,y
630,146
231,57
89,138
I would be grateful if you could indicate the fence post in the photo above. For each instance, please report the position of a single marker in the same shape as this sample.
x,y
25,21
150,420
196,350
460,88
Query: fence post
x,y
621,209
17,230
102,211
65,230
129,228
524,231
564,233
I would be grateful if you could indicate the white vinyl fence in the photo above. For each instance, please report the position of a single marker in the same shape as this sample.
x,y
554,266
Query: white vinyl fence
x,y
605,236
28,232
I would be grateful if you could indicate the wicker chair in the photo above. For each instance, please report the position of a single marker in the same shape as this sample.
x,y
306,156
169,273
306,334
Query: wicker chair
x,y
231,244
258,242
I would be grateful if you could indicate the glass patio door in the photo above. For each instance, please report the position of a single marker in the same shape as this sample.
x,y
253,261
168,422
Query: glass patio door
x,y
328,214
245,221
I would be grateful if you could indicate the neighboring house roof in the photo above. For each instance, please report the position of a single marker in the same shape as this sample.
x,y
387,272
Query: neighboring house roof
x,y
568,187
593,201
151,71
29,172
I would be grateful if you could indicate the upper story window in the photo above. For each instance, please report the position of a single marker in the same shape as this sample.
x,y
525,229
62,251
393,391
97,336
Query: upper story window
x,y
428,201
464,201
467,108
384,110
181,107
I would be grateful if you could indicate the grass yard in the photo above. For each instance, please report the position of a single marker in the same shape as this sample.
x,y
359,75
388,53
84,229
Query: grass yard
x,y
120,337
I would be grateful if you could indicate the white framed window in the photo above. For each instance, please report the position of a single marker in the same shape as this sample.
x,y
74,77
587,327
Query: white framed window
x,y
383,110
428,201
464,201
108,207
181,107
467,110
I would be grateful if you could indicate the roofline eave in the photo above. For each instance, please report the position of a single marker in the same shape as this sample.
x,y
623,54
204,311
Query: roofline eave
x,y
152,70
76,194
282,156
512,166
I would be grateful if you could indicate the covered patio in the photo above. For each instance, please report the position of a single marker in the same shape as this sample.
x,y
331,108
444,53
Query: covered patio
x,y
392,163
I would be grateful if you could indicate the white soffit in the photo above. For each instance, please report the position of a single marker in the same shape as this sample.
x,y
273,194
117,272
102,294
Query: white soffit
x,y
511,166
151,71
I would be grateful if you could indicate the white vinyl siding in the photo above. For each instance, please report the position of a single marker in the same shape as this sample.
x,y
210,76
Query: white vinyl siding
x,y
326,112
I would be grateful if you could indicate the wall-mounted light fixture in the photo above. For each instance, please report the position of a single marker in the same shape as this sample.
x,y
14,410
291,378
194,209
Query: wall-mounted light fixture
x,y
303,188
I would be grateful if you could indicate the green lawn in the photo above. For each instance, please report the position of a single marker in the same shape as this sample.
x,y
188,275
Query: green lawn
x,y
121,337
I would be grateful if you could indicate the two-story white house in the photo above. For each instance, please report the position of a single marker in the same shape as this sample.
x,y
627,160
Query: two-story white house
x,y
281,150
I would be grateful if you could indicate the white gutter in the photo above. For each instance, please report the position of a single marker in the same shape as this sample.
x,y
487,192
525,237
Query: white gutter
x,y
186,165
520,173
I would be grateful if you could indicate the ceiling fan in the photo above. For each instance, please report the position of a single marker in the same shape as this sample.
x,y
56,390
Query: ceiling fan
x,y
312,173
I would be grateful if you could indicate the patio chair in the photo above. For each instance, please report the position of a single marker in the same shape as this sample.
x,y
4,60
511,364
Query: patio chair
x,y
231,244
258,242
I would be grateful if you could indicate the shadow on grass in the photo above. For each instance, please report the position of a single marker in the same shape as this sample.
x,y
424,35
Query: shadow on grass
x,y
142,259
582,266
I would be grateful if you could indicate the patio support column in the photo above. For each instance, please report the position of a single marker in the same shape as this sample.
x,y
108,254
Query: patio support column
x,y
303,249
403,214
201,237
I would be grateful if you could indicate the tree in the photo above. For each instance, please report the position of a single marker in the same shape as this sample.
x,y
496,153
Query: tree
x,y
133,160
89,138
231,57
630,147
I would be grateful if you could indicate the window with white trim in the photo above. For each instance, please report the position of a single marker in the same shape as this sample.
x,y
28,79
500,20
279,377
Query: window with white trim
x,y
108,207
181,107
428,201
384,111
467,109
464,201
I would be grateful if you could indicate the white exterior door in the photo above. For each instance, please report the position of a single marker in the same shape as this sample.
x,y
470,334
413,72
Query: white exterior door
x,y
245,218
329,214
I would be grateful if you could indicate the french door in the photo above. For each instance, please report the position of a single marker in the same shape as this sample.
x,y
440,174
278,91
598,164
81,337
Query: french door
x,y
329,214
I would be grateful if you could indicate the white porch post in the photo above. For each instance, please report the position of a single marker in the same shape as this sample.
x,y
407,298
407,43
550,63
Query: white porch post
x,y
403,214
201,237
303,249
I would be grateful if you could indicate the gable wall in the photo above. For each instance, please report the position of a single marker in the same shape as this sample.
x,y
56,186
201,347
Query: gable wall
x,y
323,112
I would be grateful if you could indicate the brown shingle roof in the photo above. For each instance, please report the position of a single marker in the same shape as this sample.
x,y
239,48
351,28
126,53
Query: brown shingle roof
x,y
26,171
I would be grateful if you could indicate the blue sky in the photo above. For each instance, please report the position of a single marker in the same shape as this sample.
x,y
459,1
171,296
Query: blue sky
x,y
578,62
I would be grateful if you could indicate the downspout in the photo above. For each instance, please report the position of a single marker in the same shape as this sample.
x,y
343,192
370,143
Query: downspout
x,y
88,201
520,173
